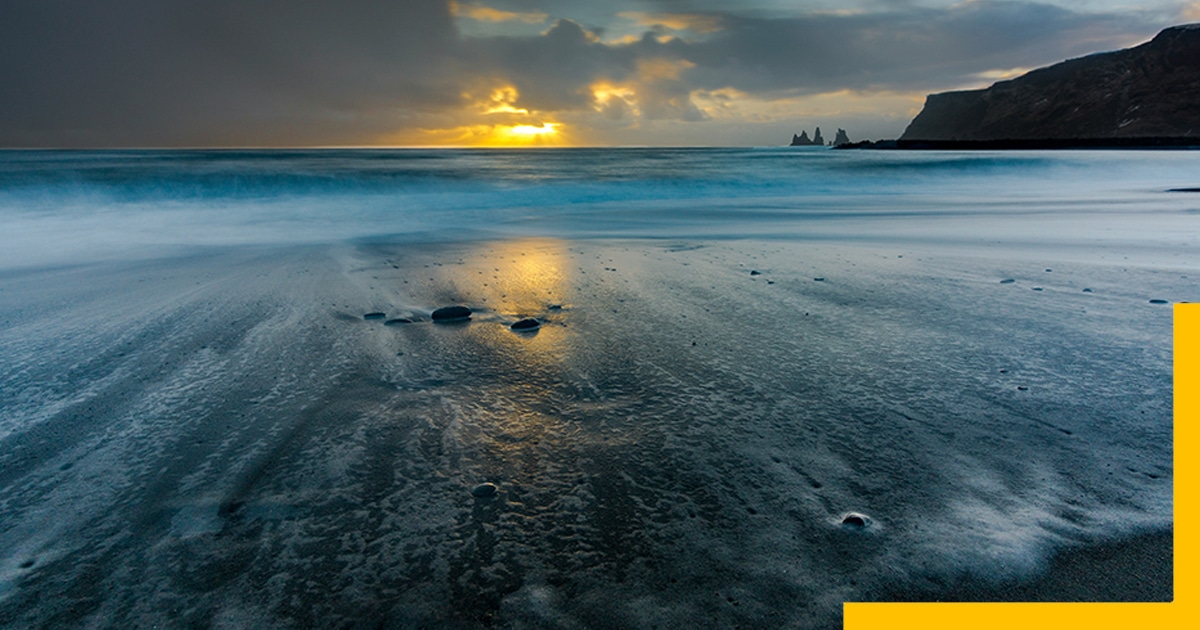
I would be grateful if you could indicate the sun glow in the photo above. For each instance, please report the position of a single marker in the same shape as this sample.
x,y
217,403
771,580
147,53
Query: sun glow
x,y
511,135
531,131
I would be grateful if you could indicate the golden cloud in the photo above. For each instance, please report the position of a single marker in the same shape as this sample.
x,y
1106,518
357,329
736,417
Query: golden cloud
x,y
1001,74
662,69
481,13
695,23
731,104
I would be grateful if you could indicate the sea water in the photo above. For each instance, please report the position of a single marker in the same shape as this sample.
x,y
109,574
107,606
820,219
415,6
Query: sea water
x,y
71,206
739,348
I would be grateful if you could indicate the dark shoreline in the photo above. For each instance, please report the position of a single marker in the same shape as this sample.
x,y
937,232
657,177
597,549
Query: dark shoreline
x,y
1137,569
1027,144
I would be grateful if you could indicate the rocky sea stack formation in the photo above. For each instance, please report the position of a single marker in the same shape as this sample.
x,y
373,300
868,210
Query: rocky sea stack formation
x,y
1149,92
803,140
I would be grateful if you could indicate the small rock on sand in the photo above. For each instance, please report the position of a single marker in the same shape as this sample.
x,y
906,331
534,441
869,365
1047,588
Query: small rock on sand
x,y
526,324
397,321
1158,301
1008,281
484,490
854,520
451,314
818,279
755,272
375,315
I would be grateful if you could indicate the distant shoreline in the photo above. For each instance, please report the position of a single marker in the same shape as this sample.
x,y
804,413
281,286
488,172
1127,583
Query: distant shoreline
x,y
1027,144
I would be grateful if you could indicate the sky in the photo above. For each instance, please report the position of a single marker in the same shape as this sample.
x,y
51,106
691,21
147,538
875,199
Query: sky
x,y
257,73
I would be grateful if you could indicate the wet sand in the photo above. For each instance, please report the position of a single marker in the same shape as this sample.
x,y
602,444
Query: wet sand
x,y
225,439
1137,569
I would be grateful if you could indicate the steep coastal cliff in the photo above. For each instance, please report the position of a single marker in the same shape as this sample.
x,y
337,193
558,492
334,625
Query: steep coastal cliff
x,y
1151,91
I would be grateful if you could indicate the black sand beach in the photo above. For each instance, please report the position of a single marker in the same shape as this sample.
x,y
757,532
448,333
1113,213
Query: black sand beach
x,y
223,439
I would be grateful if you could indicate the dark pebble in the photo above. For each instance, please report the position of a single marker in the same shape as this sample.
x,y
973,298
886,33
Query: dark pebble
x,y
526,324
398,320
1087,290
1037,288
855,520
26,564
1008,281
770,282
1158,301
451,314
1022,388
755,273
374,316
1183,190
484,490
555,307
818,279
1049,270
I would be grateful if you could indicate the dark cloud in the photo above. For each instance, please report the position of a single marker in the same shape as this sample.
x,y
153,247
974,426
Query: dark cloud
x,y
296,72
550,71
898,50
216,71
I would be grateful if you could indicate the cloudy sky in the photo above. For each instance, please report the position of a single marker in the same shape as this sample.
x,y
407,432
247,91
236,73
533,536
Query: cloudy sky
x,y
519,72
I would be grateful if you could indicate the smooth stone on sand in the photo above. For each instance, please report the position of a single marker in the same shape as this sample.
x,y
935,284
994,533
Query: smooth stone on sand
x,y
818,279
1192,190
1087,290
526,324
754,272
1158,301
451,314
484,490
398,320
1008,281
375,315
854,520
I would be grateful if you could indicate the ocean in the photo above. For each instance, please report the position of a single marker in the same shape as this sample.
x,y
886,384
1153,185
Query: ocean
x,y
67,207
765,381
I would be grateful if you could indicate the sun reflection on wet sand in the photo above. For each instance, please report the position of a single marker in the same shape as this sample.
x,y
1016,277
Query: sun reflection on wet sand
x,y
516,417
522,278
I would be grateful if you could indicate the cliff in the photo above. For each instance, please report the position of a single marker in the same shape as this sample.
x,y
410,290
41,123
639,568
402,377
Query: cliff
x,y
1149,91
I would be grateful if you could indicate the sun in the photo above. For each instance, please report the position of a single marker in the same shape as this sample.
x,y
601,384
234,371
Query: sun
x,y
529,132
511,135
